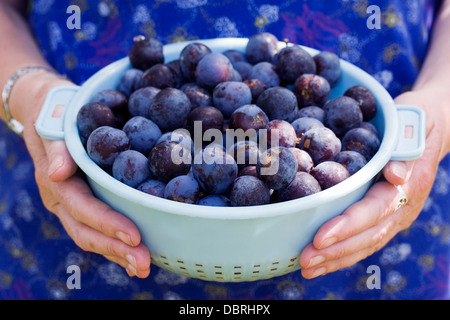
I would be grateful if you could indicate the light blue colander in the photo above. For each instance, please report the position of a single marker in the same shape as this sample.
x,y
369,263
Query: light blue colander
x,y
231,244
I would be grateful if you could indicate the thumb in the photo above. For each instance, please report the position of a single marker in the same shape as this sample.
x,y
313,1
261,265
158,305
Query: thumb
x,y
398,172
61,165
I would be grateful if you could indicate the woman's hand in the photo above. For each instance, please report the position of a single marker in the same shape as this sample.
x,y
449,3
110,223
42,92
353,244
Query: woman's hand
x,y
92,225
368,225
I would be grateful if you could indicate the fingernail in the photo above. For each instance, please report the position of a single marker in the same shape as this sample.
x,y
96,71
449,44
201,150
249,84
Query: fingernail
x,y
131,269
124,238
328,242
132,260
319,272
55,165
315,261
400,170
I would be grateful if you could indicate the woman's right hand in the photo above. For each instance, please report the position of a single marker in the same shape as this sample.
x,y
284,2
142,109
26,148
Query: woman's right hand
x,y
93,225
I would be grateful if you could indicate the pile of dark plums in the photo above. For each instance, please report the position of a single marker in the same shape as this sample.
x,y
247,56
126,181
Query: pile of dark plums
x,y
237,128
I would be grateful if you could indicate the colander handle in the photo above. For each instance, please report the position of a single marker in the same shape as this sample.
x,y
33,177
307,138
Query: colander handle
x,y
50,123
411,135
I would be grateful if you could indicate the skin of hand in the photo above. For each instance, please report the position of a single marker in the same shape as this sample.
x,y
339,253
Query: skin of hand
x,y
368,225
93,225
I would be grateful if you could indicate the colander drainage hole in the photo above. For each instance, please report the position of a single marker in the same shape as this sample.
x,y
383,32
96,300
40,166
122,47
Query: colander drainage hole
x,y
237,270
199,267
219,270
275,266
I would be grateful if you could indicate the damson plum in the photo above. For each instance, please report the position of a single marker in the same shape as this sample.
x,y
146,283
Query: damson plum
x,y
292,62
365,99
369,126
130,81
321,143
215,200
181,136
169,109
236,76
235,56
213,69
266,72
301,125
245,153
140,100
143,134
198,96
361,140
312,112
131,168
146,52
304,160
278,103
249,191
248,171
311,89
153,187
166,161
283,132
214,169
247,117
230,95
113,99
261,47
243,68
301,186
92,116
210,118
329,174
189,58
342,114
277,167
182,189
328,66
180,80
353,161
159,76
256,87
105,144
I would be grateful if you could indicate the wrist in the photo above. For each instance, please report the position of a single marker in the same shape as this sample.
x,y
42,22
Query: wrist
x,y
29,93
438,107
434,101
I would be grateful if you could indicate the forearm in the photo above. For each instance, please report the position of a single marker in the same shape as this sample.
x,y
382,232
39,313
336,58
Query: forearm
x,y
436,68
19,49
434,78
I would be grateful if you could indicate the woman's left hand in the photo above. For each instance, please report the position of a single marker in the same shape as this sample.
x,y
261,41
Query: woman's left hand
x,y
368,225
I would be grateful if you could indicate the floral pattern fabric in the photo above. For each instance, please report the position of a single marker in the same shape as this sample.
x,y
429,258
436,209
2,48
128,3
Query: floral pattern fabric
x,y
35,250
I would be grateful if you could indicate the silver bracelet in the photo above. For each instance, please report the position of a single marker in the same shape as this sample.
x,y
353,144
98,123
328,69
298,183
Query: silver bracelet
x,y
13,124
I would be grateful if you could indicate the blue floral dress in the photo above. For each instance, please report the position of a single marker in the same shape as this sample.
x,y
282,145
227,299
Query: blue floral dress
x,y
35,250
